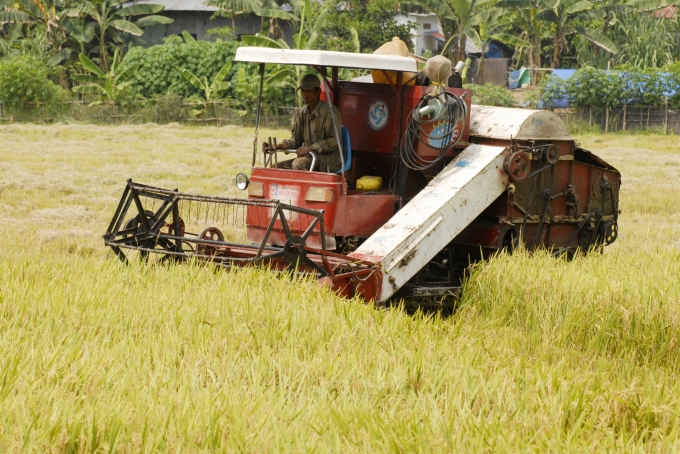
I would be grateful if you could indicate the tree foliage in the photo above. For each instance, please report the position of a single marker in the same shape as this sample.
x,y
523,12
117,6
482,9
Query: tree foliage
x,y
491,95
374,22
24,80
159,67
590,87
112,84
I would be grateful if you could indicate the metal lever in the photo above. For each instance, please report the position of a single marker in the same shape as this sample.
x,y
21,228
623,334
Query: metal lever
x,y
311,167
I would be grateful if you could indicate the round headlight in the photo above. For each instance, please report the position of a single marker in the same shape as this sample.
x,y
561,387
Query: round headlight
x,y
242,181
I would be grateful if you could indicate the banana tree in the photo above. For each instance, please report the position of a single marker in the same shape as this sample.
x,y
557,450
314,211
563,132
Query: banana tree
x,y
110,15
487,27
305,38
534,30
46,13
212,91
563,13
460,13
110,84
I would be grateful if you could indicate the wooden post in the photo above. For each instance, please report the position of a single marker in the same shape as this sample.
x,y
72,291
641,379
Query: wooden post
x,y
1,110
649,109
665,101
606,119
590,115
625,104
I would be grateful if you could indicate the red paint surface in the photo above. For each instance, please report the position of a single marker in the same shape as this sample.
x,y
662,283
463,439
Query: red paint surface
x,y
352,214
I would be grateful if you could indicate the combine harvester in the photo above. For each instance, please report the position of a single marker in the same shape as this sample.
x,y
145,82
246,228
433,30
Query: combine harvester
x,y
462,181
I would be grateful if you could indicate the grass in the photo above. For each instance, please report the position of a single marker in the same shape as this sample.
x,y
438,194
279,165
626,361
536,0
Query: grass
x,y
545,355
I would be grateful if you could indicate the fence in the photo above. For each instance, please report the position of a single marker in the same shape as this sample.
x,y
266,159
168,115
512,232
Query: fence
x,y
624,118
139,112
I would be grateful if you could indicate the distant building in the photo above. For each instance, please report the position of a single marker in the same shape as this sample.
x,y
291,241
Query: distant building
x,y
194,17
429,35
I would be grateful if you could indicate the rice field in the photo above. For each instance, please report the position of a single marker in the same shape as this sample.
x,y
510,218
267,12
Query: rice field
x,y
543,356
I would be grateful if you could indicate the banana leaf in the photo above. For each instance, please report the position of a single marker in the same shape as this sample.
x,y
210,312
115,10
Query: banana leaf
x,y
193,80
85,78
136,10
14,17
150,21
126,26
91,66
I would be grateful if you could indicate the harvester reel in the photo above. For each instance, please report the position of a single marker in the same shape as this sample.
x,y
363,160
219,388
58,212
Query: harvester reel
x,y
518,166
551,155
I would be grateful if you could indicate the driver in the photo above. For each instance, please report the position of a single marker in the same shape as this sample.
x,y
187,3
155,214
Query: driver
x,y
312,131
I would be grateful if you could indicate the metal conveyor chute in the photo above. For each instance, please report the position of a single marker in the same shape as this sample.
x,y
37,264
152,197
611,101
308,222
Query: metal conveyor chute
x,y
435,216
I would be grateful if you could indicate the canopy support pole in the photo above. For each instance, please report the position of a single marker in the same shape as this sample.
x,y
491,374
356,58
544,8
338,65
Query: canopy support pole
x,y
257,119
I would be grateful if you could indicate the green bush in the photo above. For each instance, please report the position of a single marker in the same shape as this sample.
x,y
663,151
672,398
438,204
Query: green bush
x,y
160,66
590,87
491,95
23,80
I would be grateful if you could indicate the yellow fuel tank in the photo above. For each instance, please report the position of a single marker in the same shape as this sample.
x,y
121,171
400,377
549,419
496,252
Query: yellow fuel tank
x,y
367,183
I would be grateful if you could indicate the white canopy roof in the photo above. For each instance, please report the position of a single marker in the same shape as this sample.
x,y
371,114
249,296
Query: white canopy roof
x,y
325,58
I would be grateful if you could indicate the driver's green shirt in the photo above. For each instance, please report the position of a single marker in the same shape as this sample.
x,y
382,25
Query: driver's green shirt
x,y
316,129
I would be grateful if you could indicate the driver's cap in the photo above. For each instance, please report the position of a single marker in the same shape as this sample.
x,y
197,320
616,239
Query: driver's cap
x,y
309,82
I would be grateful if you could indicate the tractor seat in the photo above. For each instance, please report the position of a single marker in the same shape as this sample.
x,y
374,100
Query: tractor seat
x,y
346,149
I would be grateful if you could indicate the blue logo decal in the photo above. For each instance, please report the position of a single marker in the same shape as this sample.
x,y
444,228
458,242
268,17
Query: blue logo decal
x,y
377,115
443,130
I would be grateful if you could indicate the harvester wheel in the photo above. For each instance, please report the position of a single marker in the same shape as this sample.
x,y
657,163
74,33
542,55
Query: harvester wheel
x,y
136,222
518,166
171,227
210,234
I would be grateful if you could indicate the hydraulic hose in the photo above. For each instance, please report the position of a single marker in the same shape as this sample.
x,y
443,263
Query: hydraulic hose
x,y
442,137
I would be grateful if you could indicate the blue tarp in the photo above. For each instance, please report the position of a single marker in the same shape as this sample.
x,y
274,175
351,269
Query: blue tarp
x,y
519,78
513,79
494,51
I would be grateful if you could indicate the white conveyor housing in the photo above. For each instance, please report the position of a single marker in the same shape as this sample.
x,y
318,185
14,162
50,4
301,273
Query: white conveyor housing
x,y
436,215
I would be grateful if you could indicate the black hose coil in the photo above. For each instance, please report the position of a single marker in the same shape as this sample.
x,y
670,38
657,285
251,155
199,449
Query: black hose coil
x,y
455,110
